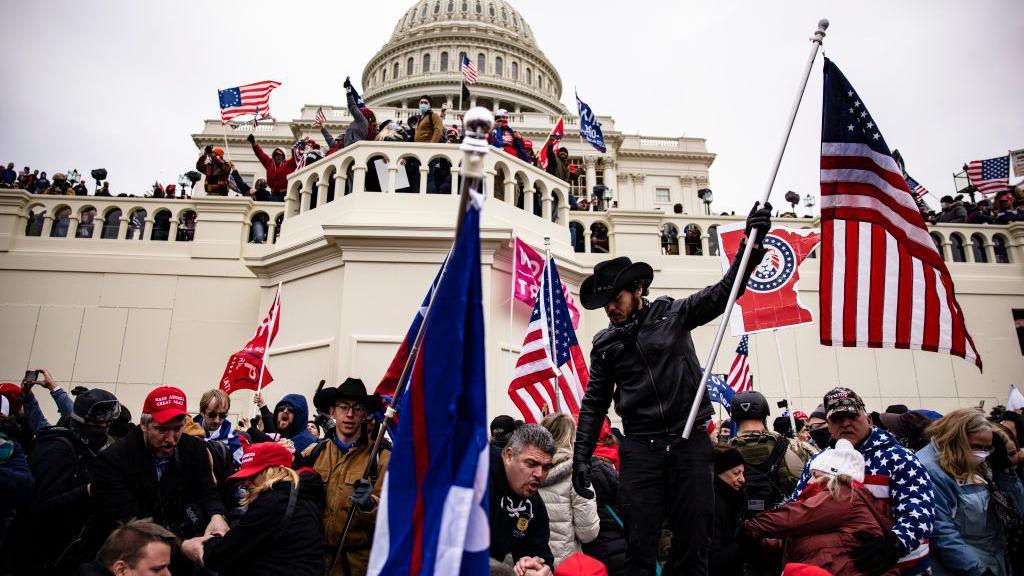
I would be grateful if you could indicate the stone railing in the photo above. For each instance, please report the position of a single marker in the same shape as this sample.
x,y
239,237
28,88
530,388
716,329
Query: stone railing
x,y
371,167
652,143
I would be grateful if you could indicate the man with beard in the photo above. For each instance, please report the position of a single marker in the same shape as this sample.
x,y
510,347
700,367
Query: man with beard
x,y
62,466
288,419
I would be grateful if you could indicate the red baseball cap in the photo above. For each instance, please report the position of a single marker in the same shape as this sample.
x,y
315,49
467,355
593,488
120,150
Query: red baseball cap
x,y
259,457
165,403
579,564
10,403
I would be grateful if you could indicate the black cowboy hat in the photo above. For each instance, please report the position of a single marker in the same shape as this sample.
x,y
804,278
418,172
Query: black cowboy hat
x,y
610,277
351,389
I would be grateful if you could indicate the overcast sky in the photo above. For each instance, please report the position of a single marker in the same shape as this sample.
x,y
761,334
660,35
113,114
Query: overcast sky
x,y
123,84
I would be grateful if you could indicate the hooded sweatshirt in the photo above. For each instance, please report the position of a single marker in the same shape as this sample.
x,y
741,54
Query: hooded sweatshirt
x,y
277,174
297,432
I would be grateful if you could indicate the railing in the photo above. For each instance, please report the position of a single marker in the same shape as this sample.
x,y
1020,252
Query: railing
x,y
681,144
529,121
385,167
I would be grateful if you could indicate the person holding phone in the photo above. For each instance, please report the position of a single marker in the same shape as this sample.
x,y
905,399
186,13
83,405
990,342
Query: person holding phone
x,y
34,416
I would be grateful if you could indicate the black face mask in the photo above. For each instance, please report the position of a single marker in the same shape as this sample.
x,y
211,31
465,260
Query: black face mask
x,y
94,437
822,437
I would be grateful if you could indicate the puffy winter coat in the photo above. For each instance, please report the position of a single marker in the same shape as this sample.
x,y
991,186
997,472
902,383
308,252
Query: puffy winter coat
x,y
573,519
820,528
277,174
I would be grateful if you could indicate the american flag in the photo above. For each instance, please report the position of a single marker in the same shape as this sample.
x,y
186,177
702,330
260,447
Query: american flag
x,y
992,175
916,189
532,388
248,99
740,378
468,70
882,282
320,118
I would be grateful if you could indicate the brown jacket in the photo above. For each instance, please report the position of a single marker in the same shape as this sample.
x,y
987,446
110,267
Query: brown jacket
x,y
429,129
820,528
216,175
340,471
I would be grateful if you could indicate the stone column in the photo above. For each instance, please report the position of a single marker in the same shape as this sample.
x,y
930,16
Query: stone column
x,y
321,193
563,212
969,250
455,182
272,227
510,191
638,192
340,177
304,196
97,225
172,234
1015,244
359,179
149,229
704,244
586,240
590,163
424,172
489,188
392,178
528,198
122,226
545,206
47,225
73,225
990,250
609,179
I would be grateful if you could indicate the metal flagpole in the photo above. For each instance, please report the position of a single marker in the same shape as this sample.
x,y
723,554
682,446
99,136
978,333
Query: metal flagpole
x,y
785,382
512,300
266,348
549,277
816,41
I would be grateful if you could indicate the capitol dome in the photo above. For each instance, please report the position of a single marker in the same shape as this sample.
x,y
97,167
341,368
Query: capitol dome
x,y
424,54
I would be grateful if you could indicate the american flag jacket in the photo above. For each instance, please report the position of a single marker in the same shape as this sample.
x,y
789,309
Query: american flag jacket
x,y
893,474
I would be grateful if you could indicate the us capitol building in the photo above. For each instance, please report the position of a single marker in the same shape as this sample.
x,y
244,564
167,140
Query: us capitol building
x,y
127,307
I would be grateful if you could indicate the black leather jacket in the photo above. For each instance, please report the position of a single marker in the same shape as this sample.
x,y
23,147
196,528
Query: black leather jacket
x,y
651,369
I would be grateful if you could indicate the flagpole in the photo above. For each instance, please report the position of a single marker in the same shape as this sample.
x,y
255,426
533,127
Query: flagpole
x,y
549,276
816,41
512,298
266,348
785,382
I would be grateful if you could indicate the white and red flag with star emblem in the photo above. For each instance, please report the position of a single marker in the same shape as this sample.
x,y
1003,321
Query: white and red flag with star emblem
x,y
771,299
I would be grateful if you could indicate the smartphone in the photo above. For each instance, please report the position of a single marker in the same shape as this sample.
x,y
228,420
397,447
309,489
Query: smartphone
x,y
31,375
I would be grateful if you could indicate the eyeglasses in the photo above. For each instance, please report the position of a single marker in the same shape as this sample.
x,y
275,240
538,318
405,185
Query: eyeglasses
x,y
215,415
345,407
287,409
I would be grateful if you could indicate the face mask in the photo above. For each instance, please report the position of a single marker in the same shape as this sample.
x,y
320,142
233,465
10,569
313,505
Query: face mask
x,y
424,108
821,437
980,455
945,204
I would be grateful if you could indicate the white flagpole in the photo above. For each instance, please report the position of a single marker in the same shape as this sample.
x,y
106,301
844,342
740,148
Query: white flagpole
x,y
549,275
816,41
266,348
785,382
511,302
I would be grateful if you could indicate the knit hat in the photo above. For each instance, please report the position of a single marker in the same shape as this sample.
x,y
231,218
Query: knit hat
x,y
843,459
503,424
579,564
97,407
727,460
10,399
218,151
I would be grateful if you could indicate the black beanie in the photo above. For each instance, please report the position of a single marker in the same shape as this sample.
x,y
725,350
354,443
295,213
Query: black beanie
x,y
503,424
727,460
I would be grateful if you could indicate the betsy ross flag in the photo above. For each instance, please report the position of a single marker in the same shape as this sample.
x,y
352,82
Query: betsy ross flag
x,y
538,371
740,378
555,137
432,518
246,367
882,282
468,70
992,175
249,99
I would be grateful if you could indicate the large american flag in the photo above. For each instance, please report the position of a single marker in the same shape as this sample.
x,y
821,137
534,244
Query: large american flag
x,y
740,378
534,379
992,175
468,70
249,99
882,282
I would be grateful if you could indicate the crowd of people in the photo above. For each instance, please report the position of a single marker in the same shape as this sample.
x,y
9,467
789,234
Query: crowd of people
x,y
1000,209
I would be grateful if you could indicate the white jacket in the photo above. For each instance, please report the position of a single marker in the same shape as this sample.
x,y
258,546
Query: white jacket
x,y
573,519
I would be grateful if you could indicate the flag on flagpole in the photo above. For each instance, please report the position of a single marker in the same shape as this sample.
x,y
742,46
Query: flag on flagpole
x,y
555,137
245,366
740,378
720,392
990,176
432,518
882,282
536,373
526,278
916,188
590,128
247,99
319,119
468,70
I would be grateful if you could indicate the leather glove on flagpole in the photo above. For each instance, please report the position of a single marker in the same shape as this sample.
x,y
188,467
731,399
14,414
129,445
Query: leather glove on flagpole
x,y
760,220
581,480
362,495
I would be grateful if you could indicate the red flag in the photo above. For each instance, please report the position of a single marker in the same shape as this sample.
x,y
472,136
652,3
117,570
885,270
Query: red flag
x,y
770,300
246,367
556,138
529,266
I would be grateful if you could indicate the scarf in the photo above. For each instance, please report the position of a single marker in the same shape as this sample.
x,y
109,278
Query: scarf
x,y
225,434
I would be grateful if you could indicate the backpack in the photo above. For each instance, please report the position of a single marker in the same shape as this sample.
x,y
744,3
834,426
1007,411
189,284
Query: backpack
x,y
762,487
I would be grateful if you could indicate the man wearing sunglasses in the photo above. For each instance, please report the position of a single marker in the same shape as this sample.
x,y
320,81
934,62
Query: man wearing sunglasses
x,y
288,419
213,417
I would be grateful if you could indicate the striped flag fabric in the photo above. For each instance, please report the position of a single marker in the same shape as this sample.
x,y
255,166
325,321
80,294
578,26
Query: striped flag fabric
x,y
319,119
248,99
883,284
916,188
740,379
990,176
468,70
537,370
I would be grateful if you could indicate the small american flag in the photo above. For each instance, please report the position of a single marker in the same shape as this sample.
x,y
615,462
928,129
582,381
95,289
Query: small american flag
x,y
249,99
990,175
740,378
320,118
916,189
883,284
468,70
535,376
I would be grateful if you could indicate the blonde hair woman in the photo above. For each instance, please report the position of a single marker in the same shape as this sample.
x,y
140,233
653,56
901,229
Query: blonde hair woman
x,y
573,519
281,531
966,536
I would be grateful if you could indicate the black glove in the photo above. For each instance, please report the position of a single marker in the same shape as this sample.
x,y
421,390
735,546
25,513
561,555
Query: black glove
x,y
876,554
581,480
251,138
347,83
208,149
362,495
760,220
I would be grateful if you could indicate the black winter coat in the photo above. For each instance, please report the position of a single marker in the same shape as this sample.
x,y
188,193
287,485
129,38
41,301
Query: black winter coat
x,y
610,545
651,368
726,555
124,486
519,526
263,543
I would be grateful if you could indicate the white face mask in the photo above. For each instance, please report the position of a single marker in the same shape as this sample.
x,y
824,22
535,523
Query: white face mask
x,y
980,455
424,108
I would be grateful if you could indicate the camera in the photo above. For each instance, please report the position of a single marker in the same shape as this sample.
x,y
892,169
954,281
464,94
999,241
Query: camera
x,y
32,375
782,403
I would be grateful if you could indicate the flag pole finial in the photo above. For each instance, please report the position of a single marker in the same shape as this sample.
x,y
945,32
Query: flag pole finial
x,y
819,34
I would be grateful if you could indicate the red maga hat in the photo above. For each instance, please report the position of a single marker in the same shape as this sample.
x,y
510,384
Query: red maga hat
x,y
259,457
165,403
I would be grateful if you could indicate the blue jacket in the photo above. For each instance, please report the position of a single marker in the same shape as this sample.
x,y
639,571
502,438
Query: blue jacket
x,y
297,432
967,539
34,414
15,478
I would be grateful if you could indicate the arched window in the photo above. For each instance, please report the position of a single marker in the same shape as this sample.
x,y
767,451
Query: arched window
x,y
395,75
978,245
451,6
462,57
576,236
408,66
481,60
111,223
490,10
999,247
529,75
258,226
479,8
957,248
426,63
383,73
669,239
515,70
162,225
598,238
444,61
437,8
34,227
86,223
465,6
937,239
499,65
423,12
62,222
187,226
540,81
136,225
504,15
691,239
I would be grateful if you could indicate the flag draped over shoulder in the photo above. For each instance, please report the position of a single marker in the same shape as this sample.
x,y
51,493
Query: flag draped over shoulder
x,y
432,517
882,281
245,366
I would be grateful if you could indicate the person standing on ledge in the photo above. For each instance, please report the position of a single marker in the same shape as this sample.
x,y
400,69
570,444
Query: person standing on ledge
x,y
645,360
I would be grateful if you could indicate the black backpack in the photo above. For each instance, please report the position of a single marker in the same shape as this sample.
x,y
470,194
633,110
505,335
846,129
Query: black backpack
x,y
762,485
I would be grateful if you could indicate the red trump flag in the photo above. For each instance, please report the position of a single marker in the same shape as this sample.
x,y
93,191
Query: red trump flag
x,y
528,266
246,369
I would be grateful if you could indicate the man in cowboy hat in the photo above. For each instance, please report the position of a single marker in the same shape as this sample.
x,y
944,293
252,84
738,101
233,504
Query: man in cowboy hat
x,y
340,459
645,360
